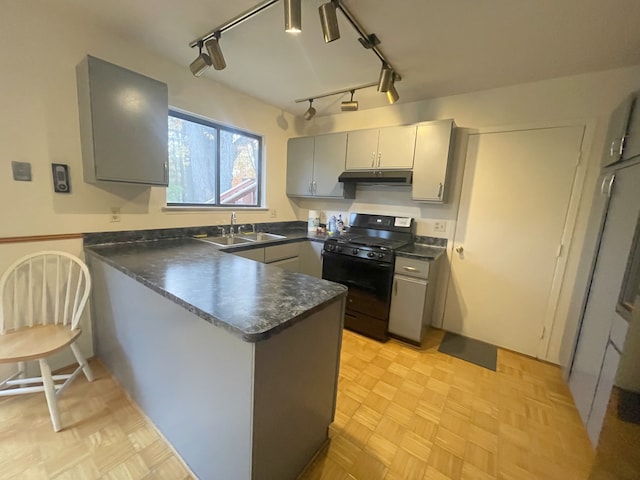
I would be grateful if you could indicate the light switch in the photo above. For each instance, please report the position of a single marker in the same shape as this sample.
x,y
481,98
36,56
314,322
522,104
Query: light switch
x,y
21,171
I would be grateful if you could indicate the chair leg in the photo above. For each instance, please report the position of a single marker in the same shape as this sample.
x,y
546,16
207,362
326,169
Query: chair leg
x,y
50,393
82,362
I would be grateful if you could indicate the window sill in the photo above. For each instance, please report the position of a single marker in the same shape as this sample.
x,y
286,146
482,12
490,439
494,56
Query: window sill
x,y
203,209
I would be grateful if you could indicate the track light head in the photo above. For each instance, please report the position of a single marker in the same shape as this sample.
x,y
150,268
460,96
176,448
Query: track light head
x,y
215,53
311,112
329,21
292,16
349,106
386,79
201,63
392,94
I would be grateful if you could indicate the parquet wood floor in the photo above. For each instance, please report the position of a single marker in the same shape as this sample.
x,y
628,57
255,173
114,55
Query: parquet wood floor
x,y
418,414
402,413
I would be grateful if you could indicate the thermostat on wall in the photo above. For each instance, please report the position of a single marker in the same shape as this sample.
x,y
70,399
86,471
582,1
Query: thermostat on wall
x,y
61,178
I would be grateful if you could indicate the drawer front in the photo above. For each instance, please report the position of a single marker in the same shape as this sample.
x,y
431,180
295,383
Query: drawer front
x,y
280,252
412,267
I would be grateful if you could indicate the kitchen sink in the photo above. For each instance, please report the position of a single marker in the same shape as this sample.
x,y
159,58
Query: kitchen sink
x,y
223,241
261,236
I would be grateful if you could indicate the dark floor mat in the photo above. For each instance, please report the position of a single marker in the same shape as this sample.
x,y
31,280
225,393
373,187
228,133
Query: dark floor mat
x,y
469,350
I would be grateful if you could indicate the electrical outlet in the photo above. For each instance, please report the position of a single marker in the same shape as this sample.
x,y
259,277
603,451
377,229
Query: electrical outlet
x,y
440,226
273,213
115,215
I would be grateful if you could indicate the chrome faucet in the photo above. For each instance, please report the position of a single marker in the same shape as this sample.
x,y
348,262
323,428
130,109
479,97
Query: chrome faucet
x,y
233,223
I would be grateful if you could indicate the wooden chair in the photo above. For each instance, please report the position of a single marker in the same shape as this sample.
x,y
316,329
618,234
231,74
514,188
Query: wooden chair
x,y
42,297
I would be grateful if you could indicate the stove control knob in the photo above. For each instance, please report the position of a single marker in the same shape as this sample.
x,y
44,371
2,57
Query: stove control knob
x,y
338,248
370,254
354,251
381,255
329,248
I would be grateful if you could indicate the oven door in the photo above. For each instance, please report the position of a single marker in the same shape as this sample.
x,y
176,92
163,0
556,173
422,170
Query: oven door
x,y
369,282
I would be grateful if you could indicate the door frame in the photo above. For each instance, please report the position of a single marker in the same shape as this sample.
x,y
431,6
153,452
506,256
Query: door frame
x,y
559,288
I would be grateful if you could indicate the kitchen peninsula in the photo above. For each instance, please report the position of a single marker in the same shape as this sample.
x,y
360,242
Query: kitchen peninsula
x,y
234,361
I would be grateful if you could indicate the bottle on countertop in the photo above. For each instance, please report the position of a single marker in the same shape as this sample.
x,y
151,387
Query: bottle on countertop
x,y
340,224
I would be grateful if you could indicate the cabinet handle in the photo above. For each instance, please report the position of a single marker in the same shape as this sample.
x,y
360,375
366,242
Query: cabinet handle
x,y
606,187
410,269
310,186
440,190
622,142
314,188
379,157
613,142
373,159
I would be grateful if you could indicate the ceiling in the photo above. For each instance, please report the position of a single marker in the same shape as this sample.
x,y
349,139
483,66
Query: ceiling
x,y
439,47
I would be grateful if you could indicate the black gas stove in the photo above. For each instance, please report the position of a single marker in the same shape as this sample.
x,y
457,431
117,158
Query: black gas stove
x,y
363,259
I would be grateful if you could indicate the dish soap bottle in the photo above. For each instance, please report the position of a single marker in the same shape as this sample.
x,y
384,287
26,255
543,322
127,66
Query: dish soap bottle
x,y
331,224
340,224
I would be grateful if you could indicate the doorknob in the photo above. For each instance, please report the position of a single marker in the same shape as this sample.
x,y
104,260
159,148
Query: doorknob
x,y
460,249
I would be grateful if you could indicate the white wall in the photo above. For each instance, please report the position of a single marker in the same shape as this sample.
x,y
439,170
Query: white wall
x,y
39,50
587,99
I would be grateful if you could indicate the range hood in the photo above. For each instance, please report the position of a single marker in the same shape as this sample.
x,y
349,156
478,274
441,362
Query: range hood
x,y
377,177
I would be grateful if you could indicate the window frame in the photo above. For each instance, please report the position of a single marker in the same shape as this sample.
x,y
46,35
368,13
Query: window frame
x,y
218,127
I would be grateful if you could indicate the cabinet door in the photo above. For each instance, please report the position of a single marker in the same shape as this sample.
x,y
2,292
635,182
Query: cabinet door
x,y
603,391
328,164
124,135
256,254
291,264
407,307
632,141
433,144
396,147
615,141
300,166
605,286
311,259
362,149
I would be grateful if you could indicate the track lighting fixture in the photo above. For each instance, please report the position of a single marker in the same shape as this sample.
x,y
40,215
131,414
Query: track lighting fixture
x,y
349,106
293,23
292,16
386,78
215,53
310,113
201,63
392,94
329,21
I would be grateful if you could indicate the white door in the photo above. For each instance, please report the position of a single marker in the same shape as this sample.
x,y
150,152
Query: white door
x,y
515,195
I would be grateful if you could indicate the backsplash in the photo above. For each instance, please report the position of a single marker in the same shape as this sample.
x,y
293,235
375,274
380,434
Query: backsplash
x,y
166,233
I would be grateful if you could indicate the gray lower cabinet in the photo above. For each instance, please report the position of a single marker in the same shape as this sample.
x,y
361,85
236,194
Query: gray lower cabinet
x,y
232,409
123,124
311,258
256,254
431,162
314,164
411,299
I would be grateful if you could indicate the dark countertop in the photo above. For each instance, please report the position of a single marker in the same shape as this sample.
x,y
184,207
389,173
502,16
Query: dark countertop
x,y
249,299
420,251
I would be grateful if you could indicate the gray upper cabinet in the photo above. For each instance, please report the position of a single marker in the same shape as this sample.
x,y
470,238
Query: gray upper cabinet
x,y
123,124
383,148
623,135
314,164
430,167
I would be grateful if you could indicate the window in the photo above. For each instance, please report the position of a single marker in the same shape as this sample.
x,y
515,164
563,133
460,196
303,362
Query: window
x,y
211,164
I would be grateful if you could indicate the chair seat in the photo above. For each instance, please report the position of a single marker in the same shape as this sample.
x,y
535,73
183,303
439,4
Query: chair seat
x,y
30,343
